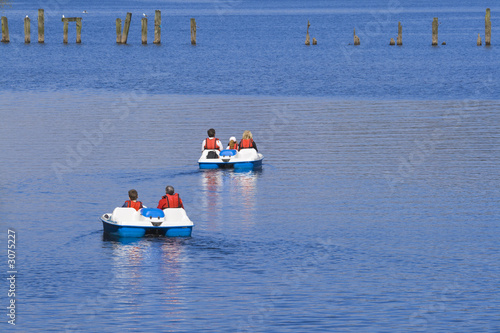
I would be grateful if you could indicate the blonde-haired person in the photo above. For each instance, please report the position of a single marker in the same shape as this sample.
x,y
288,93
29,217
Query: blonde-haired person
x,y
233,144
247,141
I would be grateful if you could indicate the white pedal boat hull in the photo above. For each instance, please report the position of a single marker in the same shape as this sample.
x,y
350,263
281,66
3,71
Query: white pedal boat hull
x,y
128,222
247,159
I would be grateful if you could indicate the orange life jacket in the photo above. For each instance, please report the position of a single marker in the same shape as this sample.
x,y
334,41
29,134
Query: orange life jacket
x,y
246,143
134,204
173,201
235,146
211,143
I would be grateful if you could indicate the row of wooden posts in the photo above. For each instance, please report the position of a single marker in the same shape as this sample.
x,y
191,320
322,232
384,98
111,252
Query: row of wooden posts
x,y
435,24
122,35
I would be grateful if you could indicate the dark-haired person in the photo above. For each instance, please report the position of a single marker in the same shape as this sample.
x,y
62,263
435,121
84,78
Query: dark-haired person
x,y
132,202
211,142
170,199
247,141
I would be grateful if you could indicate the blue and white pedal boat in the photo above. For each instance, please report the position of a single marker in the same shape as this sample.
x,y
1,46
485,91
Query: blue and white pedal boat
x,y
128,222
245,159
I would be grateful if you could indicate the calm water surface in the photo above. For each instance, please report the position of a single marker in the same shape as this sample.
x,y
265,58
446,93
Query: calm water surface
x,y
376,209
257,48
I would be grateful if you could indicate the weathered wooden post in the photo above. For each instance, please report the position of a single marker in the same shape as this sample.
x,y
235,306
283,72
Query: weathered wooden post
x,y
118,30
356,38
435,31
66,21
479,40
144,30
78,30
315,42
193,31
41,26
126,27
27,30
392,42
307,33
65,30
400,34
157,39
487,28
5,30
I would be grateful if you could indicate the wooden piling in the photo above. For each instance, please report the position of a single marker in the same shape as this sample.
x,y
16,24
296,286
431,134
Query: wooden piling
x,y
400,34
78,21
487,28
65,31
78,30
435,31
144,30
193,31
5,30
41,26
307,33
118,30
126,28
479,40
315,42
356,38
157,39
392,42
27,30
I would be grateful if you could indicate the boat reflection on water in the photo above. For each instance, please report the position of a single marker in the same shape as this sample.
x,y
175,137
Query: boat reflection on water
x,y
144,265
211,199
228,194
172,259
244,188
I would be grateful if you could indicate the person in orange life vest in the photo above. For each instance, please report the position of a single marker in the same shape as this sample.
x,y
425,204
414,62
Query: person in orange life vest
x,y
233,144
247,141
170,199
211,142
132,195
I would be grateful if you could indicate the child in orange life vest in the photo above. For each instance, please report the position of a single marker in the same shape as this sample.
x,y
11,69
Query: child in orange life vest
x,y
132,194
233,144
170,199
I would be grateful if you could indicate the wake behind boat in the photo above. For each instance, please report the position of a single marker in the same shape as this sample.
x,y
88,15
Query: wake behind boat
x,y
128,222
245,159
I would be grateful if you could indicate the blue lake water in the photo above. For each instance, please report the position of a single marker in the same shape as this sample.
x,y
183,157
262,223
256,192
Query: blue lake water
x,y
376,209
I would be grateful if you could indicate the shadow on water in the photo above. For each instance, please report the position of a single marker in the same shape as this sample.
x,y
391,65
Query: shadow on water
x,y
176,173
211,246
106,237
142,175
181,173
82,237
171,174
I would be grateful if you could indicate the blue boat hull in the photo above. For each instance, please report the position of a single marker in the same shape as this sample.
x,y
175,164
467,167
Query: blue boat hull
x,y
237,166
131,231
